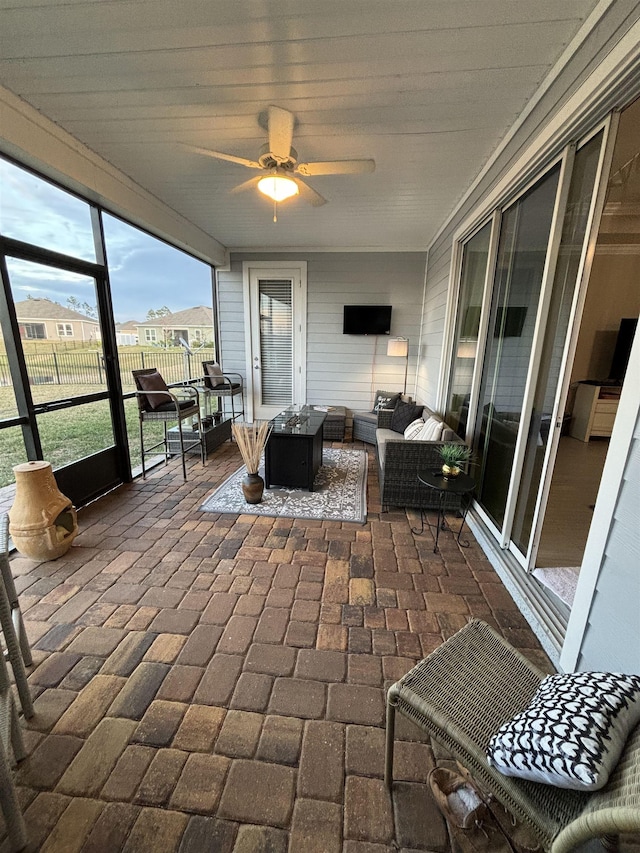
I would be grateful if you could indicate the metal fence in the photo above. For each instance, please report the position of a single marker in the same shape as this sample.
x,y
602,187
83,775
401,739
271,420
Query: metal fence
x,y
87,368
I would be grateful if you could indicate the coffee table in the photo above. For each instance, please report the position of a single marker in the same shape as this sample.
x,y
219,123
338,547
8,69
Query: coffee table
x,y
293,454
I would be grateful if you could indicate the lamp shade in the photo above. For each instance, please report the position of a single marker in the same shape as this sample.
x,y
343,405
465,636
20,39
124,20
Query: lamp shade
x,y
398,347
466,349
278,187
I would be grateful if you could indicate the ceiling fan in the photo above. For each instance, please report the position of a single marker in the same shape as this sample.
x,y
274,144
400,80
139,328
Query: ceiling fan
x,y
278,163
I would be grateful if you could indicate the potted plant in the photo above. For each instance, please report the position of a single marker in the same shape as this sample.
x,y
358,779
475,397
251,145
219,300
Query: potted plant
x,y
454,457
251,440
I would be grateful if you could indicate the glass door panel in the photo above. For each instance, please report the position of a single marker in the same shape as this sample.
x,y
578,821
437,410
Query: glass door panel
x,y
543,415
59,330
521,260
275,304
61,346
473,274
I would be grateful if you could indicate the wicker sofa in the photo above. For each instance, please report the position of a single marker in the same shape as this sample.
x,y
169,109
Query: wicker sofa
x,y
400,460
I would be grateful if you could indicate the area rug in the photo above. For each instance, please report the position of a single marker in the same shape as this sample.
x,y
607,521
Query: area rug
x,y
562,581
339,492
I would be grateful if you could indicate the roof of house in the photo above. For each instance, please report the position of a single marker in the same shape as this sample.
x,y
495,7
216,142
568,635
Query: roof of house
x,y
45,309
199,316
129,326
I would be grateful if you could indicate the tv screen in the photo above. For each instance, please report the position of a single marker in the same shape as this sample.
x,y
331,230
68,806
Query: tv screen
x,y
621,354
366,320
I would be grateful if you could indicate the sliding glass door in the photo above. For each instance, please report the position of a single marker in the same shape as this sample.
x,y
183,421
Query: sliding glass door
x,y
514,314
524,242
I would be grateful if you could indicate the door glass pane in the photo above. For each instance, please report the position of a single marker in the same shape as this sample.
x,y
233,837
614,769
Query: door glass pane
x,y
8,405
37,212
68,435
573,234
59,330
474,268
522,253
12,452
276,341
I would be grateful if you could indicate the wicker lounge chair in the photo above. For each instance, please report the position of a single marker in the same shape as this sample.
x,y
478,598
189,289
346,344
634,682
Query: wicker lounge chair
x,y
462,693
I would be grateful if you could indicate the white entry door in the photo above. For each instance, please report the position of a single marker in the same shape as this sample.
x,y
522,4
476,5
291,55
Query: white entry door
x,y
275,331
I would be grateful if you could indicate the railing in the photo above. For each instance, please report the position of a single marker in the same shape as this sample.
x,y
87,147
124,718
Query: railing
x,y
87,368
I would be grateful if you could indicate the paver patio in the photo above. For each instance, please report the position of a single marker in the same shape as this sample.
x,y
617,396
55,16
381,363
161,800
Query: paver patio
x,y
216,683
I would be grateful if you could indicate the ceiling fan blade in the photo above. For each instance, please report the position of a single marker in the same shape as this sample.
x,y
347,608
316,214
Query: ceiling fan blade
x,y
310,195
280,132
336,167
219,155
246,185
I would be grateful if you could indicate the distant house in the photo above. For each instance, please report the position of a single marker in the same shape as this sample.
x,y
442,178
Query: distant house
x,y
43,320
127,333
193,325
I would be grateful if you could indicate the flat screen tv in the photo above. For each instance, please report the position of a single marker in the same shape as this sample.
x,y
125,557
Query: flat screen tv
x,y
624,341
366,320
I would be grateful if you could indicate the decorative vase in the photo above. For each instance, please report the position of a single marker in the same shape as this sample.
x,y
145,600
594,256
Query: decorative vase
x,y
450,472
42,521
252,488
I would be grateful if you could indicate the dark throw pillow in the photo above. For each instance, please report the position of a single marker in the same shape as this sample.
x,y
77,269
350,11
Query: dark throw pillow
x,y
403,414
384,400
154,382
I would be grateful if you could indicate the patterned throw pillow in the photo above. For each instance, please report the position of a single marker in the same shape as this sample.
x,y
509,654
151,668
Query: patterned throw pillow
x,y
414,429
573,731
403,414
385,400
432,430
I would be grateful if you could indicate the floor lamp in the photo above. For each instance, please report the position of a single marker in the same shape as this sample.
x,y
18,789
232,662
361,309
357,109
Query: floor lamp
x,y
399,348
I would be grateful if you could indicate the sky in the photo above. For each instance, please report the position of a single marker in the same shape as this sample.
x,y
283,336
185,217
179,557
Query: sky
x,y
144,272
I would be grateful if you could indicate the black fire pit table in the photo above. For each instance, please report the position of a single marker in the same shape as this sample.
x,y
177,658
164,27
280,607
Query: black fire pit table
x,y
293,454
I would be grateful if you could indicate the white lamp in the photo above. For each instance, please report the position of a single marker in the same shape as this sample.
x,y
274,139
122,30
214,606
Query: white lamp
x,y
278,187
399,348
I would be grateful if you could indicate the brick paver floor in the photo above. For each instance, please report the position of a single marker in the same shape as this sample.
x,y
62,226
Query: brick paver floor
x,y
209,682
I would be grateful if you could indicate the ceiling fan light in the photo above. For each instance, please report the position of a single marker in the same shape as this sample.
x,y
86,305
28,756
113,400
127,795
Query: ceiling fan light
x,y
278,187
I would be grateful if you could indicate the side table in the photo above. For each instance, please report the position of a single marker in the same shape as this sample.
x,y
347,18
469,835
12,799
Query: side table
x,y
461,486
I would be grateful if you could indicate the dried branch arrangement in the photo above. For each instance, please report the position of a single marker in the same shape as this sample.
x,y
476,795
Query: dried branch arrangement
x,y
251,439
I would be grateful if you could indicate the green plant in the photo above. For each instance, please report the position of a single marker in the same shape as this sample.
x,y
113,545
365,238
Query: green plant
x,y
455,455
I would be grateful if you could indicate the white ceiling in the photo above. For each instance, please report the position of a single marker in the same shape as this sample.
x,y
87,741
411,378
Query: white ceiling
x,y
427,88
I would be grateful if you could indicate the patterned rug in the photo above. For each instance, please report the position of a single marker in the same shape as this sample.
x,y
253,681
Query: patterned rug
x,y
340,492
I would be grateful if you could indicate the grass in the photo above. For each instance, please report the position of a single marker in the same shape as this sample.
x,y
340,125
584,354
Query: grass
x,y
69,434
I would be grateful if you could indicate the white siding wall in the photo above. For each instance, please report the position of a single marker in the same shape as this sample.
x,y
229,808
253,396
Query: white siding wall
x,y
612,637
342,370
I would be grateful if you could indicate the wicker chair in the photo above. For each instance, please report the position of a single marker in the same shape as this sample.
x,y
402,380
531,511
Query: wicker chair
x,y
11,750
18,652
462,693
224,385
179,408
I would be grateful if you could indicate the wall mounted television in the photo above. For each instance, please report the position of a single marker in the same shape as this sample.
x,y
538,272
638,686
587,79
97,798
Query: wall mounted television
x,y
624,342
366,320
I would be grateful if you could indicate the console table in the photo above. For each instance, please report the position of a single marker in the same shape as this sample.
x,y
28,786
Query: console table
x,y
594,410
212,437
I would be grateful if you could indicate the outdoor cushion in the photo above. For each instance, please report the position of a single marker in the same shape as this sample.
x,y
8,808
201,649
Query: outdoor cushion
x,y
414,429
572,732
214,371
385,400
403,414
154,382
431,430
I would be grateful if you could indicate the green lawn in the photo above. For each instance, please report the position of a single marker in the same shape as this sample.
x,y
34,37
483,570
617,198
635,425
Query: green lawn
x,y
69,434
